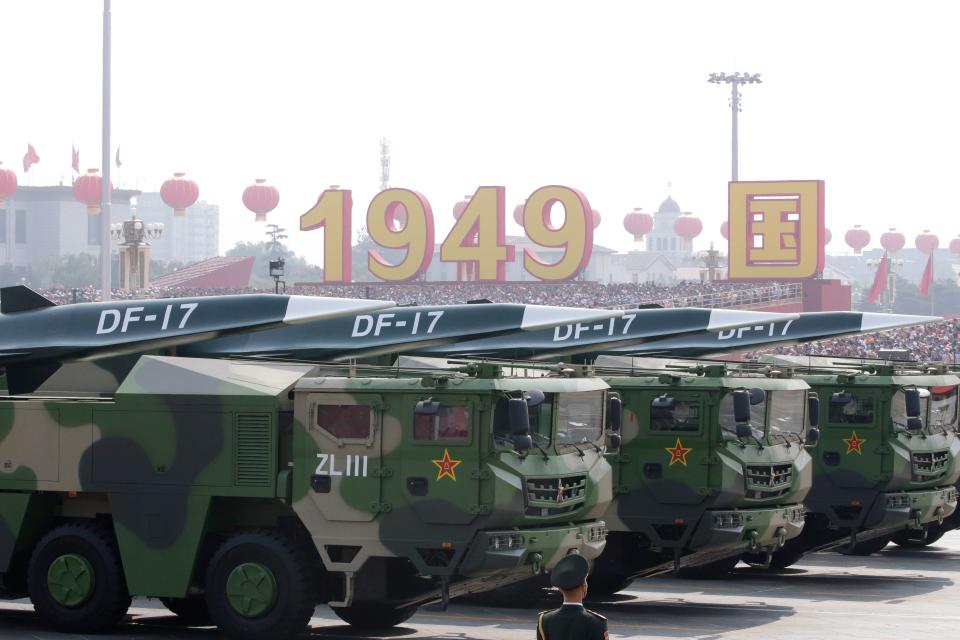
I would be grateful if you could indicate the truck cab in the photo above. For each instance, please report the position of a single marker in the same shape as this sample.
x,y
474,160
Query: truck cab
x,y
712,463
886,463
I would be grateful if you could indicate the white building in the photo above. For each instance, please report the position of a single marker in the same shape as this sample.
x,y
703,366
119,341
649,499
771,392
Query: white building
x,y
186,239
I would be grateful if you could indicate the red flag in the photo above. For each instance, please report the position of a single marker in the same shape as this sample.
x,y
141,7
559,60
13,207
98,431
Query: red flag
x,y
76,160
927,279
30,158
880,280
117,159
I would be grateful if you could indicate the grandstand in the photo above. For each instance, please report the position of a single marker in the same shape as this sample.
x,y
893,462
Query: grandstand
x,y
215,273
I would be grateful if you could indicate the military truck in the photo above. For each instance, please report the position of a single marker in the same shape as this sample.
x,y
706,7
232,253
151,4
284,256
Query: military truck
x,y
247,493
886,463
713,462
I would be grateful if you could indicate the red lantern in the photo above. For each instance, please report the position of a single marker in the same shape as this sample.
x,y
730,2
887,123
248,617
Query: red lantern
x,y
596,218
638,223
827,236
725,230
927,242
460,207
687,226
86,189
261,198
857,238
8,183
179,193
518,213
955,246
892,241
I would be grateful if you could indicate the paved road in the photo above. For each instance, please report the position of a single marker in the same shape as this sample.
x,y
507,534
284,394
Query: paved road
x,y
897,594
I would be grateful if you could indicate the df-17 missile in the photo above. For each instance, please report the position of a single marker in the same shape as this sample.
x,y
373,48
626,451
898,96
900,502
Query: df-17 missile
x,y
809,326
398,330
585,340
36,335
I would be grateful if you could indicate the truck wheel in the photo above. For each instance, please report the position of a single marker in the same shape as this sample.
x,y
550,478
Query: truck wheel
x,y
606,584
912,539
865,548
259,585
370,615
75,579
711,570
192,611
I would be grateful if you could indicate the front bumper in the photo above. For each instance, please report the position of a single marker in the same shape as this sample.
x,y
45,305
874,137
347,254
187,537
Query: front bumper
x,y
911,508
752,530
530,550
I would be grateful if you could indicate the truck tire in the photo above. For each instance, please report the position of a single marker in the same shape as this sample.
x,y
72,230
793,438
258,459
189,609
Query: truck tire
x,y
191,611
711,570
260,585
911,539
371,615
866,548
604,584
75,579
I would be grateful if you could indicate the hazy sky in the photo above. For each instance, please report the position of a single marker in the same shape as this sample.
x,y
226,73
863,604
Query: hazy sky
x,y
608,97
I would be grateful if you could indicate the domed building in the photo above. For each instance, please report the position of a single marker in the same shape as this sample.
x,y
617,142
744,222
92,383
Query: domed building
x,y
663,239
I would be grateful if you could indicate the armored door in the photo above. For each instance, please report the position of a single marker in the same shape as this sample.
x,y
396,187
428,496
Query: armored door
x,y
850,453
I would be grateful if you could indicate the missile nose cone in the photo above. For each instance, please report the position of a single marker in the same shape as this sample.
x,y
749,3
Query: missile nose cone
x,y
301,309
880,321
542,317
731,318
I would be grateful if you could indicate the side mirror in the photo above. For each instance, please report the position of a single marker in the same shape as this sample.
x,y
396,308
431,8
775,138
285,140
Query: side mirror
x,y
914,424
427,408
521,443
741,406
614,413
911,399
519,417
615,440
534,397
813,436
813,411
744,430
757,396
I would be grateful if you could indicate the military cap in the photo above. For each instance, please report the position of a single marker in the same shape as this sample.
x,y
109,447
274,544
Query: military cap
x,y
570,572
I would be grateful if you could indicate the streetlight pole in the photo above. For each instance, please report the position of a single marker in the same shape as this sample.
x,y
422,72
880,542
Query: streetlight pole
x,y
734,80
105,170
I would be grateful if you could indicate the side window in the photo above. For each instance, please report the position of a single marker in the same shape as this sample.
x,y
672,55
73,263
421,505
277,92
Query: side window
x,y
683,415
450,423
345,422
851,409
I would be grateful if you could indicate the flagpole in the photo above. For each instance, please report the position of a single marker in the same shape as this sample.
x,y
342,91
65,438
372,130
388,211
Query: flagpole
x,y
105,161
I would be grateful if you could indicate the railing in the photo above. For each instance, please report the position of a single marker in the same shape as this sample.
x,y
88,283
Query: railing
x,y
766,296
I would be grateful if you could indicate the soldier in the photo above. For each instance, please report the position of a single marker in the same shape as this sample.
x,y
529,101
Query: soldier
x,y
572,621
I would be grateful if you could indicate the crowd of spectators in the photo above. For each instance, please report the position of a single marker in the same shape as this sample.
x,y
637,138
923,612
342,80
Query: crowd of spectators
x,y
572,294
936,342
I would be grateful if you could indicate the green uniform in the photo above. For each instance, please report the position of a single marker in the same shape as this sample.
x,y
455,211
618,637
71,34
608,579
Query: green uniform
x,y
571,622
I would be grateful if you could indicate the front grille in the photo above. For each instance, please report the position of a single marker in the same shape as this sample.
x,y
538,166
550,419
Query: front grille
x,y
555,496
929,465
765,481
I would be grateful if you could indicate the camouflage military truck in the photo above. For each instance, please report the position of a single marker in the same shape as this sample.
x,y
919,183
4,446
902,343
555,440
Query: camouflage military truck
x,y
712,463
247,493
887,461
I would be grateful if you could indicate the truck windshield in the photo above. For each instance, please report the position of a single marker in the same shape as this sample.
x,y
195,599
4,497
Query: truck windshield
x,y
758,416
787,412
579,417
898,410
943,406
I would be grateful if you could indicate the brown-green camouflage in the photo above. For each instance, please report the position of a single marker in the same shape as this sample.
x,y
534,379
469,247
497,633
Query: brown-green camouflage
x,y
223,487
878,470
691,494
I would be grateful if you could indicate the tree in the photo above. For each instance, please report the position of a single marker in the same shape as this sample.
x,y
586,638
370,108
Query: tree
x,y
295,268
944,299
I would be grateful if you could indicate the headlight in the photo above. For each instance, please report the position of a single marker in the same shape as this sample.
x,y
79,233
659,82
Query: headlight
x,y
505,541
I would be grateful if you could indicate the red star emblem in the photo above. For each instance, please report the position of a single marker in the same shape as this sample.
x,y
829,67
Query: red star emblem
x,y
678,453
854,443
446,466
